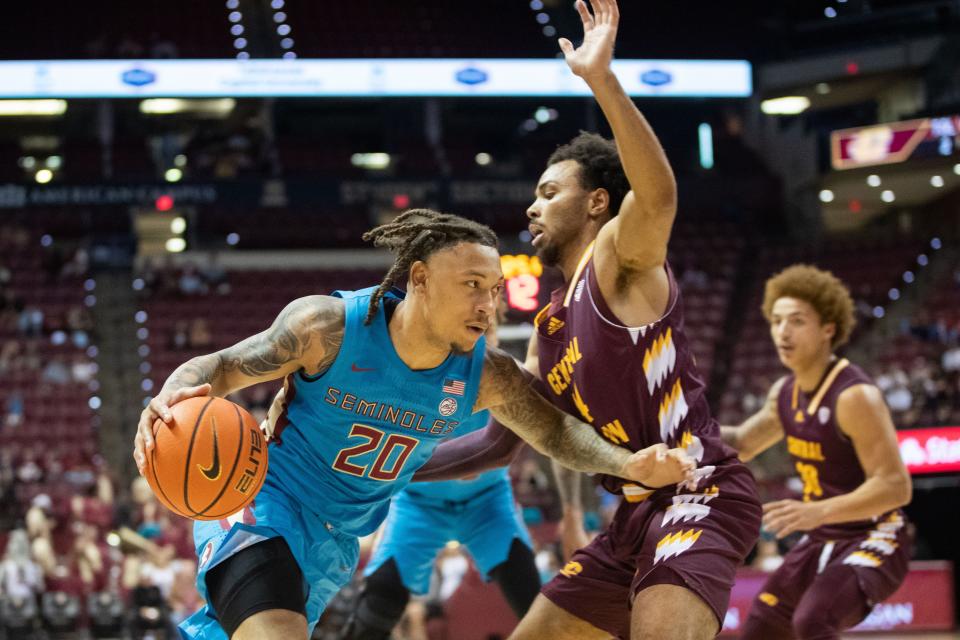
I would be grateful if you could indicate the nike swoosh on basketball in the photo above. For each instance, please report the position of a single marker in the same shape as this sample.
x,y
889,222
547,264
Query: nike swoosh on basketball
x,y
213,472
354,367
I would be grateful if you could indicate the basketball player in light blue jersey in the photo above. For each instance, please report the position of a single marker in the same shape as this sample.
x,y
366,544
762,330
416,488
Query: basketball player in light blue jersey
x,y
480,513
374,380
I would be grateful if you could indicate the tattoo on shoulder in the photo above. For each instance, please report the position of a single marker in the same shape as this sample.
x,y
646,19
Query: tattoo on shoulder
x,y
501,374
506,386
313,323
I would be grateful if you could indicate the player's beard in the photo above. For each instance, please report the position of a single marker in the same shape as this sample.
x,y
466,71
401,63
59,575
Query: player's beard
x,y
549,254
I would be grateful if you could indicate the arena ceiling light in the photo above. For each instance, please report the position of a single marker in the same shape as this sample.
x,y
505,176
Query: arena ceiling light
x,y
785,106
370,160
32,107
219,107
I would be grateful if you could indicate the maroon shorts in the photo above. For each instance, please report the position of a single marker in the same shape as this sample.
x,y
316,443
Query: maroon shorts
x,y
879,559
691,539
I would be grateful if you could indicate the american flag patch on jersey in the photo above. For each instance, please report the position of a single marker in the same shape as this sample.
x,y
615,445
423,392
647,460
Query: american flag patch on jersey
x,y
455,387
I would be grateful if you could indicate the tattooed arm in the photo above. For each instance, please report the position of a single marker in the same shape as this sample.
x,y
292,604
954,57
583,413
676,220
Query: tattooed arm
x,y
306,335
505,389
569,482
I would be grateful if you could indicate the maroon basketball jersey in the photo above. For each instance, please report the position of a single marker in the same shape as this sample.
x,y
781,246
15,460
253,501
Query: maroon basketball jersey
x,y
637,386
823,456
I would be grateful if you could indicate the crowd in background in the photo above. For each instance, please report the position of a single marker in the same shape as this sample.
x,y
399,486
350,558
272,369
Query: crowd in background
x,y
68,527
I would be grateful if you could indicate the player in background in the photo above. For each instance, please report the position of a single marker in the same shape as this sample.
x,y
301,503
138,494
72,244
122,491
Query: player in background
x,y
612,350
480,513
374,379
856,549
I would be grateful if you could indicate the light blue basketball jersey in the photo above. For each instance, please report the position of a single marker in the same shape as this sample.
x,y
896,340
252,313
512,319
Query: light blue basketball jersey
x,y
479,513
462,490
351,437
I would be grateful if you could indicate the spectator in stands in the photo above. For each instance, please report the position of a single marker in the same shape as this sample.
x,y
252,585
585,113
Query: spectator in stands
x,y
215,275
20,577
56,372
180,337
13,410
30,322
29,469
896,389
184,598
190,282
9,357
77,266
40,530
452,566
200,336
80,325
159,570
30,361
82,369
950,360
91,563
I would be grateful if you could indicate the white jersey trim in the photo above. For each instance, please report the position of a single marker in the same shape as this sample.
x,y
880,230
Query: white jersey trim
x,y
642,329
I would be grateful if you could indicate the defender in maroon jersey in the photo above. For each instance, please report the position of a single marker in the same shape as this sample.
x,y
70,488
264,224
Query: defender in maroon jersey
x,y
842,442
611,349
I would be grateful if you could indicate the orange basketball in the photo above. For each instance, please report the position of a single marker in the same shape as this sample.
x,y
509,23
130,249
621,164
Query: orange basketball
x,y
209,462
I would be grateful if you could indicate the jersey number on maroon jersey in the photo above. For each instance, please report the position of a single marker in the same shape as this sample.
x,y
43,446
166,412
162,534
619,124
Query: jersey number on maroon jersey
x,y
374,437
811,481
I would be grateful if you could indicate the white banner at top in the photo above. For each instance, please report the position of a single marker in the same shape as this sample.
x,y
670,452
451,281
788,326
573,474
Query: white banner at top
x,y
318,78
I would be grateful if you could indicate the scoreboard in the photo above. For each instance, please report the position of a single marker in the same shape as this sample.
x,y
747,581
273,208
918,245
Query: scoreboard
x,y
894,142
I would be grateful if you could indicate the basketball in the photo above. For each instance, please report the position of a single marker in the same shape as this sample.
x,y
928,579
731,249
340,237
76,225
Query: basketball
x,y
209,462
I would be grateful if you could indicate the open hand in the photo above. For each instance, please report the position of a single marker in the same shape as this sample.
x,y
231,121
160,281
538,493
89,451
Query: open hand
x,y
784,517
592,58
658,466
159,407
573,535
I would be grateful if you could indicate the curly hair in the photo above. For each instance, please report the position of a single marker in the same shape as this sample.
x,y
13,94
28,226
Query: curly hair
x,y
829,297
600,166
415,235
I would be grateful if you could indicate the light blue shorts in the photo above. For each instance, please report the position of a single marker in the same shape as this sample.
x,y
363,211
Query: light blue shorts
x,y
326,556
418,527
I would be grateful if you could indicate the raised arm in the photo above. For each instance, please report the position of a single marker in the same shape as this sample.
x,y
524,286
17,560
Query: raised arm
x,y
506,390
306,335
863,417
760,431
636,239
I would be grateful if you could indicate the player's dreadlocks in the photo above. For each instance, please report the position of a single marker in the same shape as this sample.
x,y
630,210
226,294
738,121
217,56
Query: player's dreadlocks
x,y
415,235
